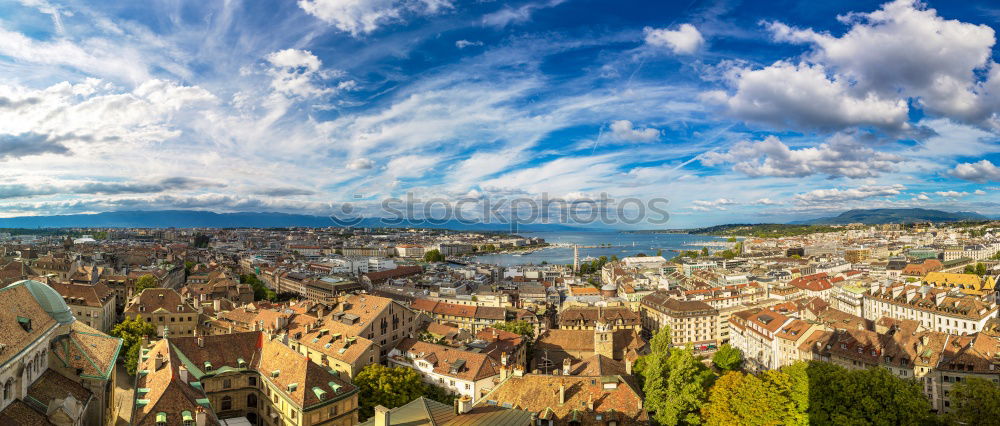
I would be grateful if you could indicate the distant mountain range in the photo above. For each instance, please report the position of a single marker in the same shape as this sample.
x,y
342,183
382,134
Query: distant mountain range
x,y
207,219
881,216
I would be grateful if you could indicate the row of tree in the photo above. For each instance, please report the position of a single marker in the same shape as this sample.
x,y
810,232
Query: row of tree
x,y
260,290
681,389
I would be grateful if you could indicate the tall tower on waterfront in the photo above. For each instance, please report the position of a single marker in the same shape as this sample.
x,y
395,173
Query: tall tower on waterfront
x,y
576,258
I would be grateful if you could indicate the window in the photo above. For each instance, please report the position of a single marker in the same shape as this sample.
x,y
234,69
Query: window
x,y
333,410
227,403
7,388
252,381
226,383
252,400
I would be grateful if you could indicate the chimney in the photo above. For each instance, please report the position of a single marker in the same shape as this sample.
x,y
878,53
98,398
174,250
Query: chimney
x,y
590,403
200,417
182,371
463,404
381,416
566,365
159,361
201,342
628,367
217,305
562,394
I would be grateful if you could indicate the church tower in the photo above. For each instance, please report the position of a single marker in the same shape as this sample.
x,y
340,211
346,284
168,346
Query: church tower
x,y
604,340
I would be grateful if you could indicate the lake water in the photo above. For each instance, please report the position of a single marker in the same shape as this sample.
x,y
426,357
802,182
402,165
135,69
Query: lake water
x,y
623,244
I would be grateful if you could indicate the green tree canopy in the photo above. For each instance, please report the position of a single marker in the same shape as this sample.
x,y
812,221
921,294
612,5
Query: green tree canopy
x,y
433,256
144,282
728,358
131,332
674,381
975,402
393,387
260,290
743,399
523,328
837,396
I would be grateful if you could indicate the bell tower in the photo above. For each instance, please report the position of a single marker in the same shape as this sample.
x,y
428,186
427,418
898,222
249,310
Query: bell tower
x,y
604,340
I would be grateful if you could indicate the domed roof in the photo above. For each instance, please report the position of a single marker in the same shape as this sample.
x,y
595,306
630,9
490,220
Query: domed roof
x,y
49,299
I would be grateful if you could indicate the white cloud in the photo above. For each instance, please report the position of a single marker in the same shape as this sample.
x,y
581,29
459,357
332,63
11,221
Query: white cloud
x,y
717,204
766,202
462,44
803,96
360,164
508,15
359,17
905,50
686,39
841,156
923,197
836,195
951,194
623,130
298,72
979,192
981,171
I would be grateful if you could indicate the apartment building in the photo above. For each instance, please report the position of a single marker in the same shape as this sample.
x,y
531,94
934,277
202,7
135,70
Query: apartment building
x,y
942,310
93,305
247,376
690,321
463,373
166,310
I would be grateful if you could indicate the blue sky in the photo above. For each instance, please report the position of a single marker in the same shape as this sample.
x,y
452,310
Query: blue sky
x,y
733,111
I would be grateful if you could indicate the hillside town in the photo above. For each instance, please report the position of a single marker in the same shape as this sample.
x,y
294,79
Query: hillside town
x,y
290,326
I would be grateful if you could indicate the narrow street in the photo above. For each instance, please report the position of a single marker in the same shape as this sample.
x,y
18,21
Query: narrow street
x,y
122,405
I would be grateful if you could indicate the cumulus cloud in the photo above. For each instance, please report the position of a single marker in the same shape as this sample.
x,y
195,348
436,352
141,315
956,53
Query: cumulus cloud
x,y
623,130
900,52
766,202
685,40
30,143
297,72
803,96
21,190
840,156
359,17
836,195
360,164
717,204
951,194
981,171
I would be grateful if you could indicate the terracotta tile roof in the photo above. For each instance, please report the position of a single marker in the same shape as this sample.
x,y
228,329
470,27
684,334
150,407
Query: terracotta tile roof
x,y
17,303
19,413
156,299
52,385
92,352
94,296
540,394
583,340
400,272
598,365
472,366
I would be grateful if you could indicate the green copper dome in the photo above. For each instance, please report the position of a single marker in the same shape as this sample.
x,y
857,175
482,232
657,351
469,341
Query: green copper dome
x,y
50,300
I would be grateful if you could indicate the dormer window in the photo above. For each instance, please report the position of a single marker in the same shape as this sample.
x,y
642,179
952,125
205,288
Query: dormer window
x,y
25,323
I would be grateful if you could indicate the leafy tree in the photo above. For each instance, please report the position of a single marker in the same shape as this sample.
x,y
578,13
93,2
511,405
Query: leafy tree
x,y
433,256
188,266
743,399
387,386
131,332
523,328
728,358
674,381
659,252
260,290
975,402
836,396
144,282
704,251
201,241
